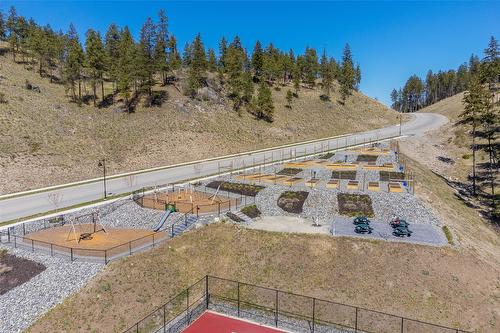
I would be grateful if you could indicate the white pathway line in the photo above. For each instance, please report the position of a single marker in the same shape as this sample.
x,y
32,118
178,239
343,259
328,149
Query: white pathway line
x,y
92,180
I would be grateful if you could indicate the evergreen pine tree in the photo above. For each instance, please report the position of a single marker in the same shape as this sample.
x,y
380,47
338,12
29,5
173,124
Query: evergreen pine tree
x,y
146,56
212,61
490,67
161,45
197,67
237,79
222,54
125,78
3,28
296,78
475,102
348,74
96,61
310,69
174,58
112,46
74,61
257,59
264,103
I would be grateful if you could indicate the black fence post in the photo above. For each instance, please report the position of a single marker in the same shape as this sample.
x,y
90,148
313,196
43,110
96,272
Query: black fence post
x,y
24,229
164,318
130,248
402,324
51,251
105,257
71,250
207,299
187,306
153,240
276,310
137,328
238,294
356,321
314,314
32,245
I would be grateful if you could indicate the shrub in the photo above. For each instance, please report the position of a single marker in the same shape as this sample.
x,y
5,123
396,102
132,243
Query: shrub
x,y
448,234
251,211
3,100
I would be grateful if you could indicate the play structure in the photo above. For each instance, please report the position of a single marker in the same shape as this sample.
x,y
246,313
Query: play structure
x,y
86,235
188,200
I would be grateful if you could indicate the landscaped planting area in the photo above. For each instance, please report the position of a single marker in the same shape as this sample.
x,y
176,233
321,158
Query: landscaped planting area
x,y
355,205
289,171
245,189
292,202
251,211
15,271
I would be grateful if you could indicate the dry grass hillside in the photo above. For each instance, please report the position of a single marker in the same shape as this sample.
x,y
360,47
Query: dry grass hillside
x,y
455,286
47,140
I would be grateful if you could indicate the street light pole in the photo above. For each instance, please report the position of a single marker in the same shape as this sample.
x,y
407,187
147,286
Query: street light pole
x,y
102,163
400,122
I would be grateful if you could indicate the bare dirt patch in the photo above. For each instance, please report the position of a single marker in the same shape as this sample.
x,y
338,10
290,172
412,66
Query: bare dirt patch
x,y
15,271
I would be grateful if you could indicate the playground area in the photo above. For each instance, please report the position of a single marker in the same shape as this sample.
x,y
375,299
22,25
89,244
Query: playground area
x,y
188,200
84,236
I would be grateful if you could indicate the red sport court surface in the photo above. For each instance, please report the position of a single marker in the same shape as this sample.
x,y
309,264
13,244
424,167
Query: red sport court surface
x,y
210,322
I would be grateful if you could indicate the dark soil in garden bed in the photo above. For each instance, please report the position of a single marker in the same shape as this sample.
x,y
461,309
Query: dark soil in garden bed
x,y
251,211
326,156
349,174
15,271
292,202
245,189
289,171
367,158
234,217
355,205
386,175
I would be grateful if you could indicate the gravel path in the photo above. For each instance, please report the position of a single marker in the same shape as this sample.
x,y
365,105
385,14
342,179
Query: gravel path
x,y
23,305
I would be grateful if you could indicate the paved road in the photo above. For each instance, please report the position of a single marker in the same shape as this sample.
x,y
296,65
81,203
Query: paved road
x,y
18,206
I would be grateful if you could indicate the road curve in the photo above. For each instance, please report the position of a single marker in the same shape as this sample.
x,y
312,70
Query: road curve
x,y
17,206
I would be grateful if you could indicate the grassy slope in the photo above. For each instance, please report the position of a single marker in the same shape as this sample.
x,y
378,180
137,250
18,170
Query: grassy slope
x,y
46,140
457,286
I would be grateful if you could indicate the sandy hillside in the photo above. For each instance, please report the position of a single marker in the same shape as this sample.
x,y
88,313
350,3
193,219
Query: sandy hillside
x,y
46,140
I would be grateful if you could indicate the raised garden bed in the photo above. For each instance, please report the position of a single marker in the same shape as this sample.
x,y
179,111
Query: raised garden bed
x,y
289,171
251,211
245,189
393,176
367,158
355,205
15,271
234,217
326,156
351,175
292,201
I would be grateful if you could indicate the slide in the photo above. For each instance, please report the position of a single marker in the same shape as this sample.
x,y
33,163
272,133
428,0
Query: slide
x,y
163,219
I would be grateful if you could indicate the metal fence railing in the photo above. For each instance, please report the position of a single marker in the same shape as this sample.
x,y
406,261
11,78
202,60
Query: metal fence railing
x,y
273,307
81,253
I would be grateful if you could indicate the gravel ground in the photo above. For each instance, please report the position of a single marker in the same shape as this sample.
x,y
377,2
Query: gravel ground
x,y
23,305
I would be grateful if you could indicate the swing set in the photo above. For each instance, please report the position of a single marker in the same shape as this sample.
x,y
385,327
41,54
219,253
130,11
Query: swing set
x,y
73,235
